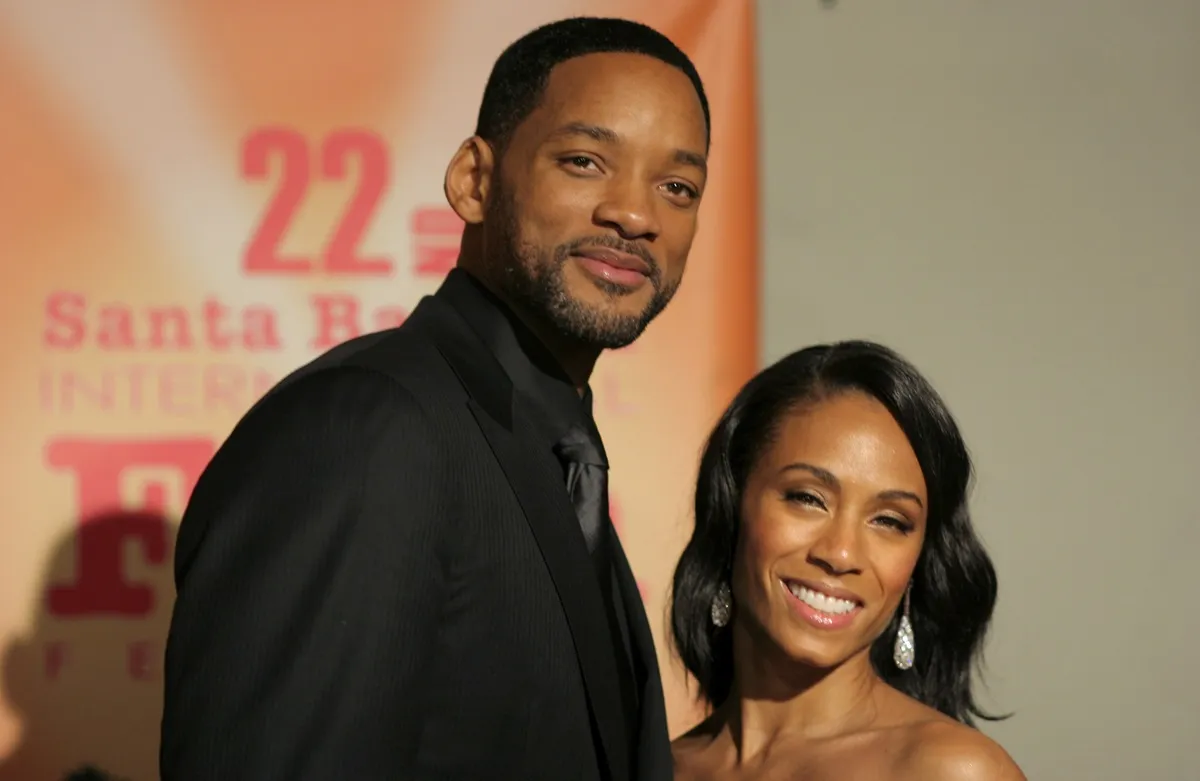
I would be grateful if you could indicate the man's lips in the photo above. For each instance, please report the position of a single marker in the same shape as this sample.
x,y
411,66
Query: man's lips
x,y
620,269
616,259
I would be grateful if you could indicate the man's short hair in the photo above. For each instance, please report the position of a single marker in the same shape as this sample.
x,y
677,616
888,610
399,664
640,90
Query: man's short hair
x,y
518,79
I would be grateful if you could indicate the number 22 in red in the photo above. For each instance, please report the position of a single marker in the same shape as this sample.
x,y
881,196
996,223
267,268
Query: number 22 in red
x,y
341,255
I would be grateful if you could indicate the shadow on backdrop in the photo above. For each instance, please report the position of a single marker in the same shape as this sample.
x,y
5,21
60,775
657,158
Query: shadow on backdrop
x,y
85,678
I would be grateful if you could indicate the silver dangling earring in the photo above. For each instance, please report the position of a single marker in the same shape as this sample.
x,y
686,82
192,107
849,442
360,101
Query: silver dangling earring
x,y
905,650
722,606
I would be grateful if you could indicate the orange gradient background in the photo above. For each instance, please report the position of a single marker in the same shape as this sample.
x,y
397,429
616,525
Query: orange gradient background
x,y
121,151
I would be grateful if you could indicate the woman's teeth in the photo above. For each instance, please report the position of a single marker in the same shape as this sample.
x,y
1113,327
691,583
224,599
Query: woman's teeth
x,y
818,601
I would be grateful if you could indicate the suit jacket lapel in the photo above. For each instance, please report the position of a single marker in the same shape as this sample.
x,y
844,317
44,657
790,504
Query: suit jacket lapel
x,y
535,477
653,748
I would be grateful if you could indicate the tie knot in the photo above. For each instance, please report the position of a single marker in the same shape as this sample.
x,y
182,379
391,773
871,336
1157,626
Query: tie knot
x,y
580,447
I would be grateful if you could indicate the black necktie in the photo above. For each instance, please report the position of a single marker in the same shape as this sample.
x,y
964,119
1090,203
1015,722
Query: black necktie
x,y
587,483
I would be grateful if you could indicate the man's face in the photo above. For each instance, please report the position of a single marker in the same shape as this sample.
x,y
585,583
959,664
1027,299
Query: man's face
x,y
593,204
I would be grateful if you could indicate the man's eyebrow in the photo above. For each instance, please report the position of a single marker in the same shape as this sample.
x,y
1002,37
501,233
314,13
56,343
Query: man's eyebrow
x,y
694,159
594,132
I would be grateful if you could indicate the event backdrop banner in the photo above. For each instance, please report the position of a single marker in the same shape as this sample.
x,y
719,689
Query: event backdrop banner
x,y
197,197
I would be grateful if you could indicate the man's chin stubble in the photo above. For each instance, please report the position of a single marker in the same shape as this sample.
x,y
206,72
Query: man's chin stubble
x,y
597,330
595,326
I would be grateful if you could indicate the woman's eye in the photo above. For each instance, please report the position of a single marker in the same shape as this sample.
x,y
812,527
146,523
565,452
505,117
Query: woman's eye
x,y
804,497
899,524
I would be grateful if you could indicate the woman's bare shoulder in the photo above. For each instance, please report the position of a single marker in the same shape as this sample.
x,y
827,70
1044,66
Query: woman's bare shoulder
x,y
688,750
945,750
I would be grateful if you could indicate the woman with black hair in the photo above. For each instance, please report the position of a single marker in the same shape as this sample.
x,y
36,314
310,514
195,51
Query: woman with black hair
x,y
833,599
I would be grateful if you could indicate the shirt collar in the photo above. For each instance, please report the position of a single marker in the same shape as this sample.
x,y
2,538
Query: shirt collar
x,y
533,371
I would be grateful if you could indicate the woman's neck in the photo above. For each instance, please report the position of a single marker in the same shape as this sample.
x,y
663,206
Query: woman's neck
x,y
775,698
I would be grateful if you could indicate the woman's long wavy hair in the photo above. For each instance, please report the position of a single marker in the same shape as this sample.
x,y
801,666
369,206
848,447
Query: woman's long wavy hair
x,y
954,582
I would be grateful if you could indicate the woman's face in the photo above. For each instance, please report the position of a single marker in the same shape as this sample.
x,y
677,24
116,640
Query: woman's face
x,y
833,518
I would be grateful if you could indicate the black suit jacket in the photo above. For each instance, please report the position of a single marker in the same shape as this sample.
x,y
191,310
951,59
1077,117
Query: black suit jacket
x,y
380,576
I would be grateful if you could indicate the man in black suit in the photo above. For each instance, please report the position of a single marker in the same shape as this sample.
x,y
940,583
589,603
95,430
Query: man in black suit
x,y
400,565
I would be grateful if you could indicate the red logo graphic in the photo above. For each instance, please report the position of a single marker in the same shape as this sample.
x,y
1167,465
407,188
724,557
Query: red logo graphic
x,y
336,152
436,230
106,471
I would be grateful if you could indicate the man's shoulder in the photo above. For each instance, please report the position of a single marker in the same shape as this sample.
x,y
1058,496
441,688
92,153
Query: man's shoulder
x,y
396,362
405,354
387,377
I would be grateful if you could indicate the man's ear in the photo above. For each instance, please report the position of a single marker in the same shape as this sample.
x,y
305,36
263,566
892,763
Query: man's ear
x,y
469,179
